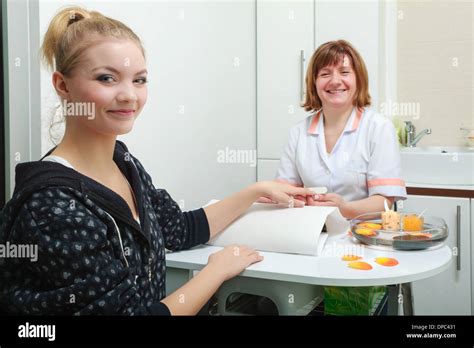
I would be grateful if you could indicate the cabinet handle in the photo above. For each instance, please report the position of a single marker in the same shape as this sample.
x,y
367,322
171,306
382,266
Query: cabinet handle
x,y
458,235
302,60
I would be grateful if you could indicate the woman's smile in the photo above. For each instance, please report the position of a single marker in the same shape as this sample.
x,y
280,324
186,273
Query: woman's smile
x,y
339,91
125,113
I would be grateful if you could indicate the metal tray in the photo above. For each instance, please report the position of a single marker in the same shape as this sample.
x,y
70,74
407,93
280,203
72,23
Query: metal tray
x,y
434,233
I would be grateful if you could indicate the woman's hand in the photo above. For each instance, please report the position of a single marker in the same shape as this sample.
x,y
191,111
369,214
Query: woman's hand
x,y
349,209
232,260
222,265
281,192
221,214
327,200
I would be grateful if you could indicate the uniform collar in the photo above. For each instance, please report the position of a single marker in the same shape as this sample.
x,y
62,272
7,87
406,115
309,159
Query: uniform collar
x,y
315,126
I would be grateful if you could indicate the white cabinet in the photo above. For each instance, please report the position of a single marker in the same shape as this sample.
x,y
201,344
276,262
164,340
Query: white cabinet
x,y
285,37
448,293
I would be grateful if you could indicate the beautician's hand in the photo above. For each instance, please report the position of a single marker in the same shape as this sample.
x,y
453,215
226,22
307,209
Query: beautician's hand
x,y
282,192
328,200
232,260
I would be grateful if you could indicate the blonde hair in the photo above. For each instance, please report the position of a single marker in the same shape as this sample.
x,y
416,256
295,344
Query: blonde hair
x,y
328,54
74,29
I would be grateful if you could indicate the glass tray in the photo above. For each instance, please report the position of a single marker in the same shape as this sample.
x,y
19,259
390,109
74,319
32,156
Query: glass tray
x,y
433,233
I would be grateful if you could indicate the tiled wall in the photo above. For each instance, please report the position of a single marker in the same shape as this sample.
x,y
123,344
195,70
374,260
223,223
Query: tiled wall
x,y
435,67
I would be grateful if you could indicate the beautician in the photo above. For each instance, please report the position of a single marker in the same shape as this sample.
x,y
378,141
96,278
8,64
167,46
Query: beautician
x,y
344,145
100,225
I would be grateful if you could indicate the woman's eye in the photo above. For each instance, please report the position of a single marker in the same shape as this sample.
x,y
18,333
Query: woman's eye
x,y
345,72
106,78
324,75
142,80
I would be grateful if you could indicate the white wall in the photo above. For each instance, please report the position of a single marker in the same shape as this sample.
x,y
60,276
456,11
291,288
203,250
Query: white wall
x,y
436,68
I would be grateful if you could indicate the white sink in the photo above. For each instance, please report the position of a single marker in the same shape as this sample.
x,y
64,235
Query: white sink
x,y
439,165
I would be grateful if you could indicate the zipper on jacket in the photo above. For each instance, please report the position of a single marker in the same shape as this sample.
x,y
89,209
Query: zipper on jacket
x,y
149,270
149,267
120,238
106,206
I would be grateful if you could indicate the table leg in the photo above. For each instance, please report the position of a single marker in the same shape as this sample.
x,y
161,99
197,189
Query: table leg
x,y
400,295
392,300
407,299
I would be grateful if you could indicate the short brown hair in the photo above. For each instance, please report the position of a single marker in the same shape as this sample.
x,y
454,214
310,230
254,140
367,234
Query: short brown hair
x,y
329,54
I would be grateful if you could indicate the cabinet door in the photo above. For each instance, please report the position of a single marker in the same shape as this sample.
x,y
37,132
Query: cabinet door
x,y
284,30
448,293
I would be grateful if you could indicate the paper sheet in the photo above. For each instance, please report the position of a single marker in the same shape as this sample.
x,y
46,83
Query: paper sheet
x,y
272,227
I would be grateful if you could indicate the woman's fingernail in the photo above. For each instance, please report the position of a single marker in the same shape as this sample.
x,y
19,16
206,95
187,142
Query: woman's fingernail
x,y
291,203
316,197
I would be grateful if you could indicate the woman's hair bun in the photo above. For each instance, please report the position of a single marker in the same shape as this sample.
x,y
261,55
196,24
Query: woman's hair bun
x,y
74,17
72,30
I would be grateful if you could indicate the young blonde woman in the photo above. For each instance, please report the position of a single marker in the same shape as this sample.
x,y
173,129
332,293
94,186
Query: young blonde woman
x,y
100,226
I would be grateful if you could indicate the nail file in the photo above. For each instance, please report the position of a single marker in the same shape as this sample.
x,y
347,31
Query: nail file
x,y
319,190
385,205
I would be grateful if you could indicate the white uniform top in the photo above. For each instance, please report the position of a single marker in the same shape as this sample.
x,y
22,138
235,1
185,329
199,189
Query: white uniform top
x,y
365,160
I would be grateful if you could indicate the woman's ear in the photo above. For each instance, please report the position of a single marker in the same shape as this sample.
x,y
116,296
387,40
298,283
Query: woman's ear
x,y
60,86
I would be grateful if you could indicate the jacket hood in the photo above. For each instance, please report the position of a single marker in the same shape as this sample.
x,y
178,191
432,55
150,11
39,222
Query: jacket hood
x,y
36,172
35,175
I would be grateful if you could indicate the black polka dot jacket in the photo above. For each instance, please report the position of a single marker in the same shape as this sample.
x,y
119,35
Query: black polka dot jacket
x,y
92,256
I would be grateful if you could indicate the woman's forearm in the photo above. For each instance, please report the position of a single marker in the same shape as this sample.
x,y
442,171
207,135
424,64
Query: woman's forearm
x,y
370,204
192,296
222,213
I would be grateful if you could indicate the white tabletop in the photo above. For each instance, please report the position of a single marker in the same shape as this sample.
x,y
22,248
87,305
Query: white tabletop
x,y
329,269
